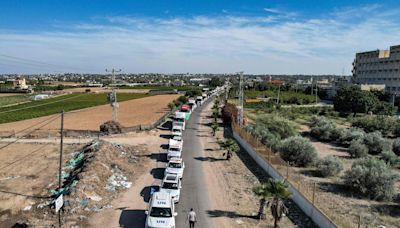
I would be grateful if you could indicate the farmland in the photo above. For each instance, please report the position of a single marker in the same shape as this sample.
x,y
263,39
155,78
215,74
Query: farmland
x,y
12,99
132,112
57,104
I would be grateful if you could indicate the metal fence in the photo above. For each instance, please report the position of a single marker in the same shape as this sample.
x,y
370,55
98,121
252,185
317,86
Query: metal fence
x,y
307,188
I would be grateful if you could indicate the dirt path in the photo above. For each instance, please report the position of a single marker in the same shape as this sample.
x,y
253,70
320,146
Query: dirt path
x,y
130,113
128,209
230,185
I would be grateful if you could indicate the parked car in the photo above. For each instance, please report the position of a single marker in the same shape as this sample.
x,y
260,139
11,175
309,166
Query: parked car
x,y
175,166
171,185
161,212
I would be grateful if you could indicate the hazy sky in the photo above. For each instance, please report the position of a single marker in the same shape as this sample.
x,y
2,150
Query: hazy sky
x,y
171,36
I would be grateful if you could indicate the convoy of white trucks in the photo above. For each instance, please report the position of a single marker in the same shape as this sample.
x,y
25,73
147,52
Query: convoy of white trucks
x,y
161,212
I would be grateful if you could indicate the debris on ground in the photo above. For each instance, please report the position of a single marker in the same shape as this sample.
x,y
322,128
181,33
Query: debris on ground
x,y
111,127
91,178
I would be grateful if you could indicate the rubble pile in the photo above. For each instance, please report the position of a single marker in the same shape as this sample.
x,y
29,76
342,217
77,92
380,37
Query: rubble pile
x,y
111,127
91,179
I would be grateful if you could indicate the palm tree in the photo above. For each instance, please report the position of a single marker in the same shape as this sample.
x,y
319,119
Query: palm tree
x,y
276,190
214,127
230,146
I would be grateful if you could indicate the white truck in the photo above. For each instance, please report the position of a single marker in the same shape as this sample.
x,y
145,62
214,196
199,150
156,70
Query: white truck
x,y
171,185
161,212
199,100
179,120
174,149
192,104
175,166
177,130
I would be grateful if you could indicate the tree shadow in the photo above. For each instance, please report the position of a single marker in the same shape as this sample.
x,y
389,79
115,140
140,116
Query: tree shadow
x,y
391,210
339,189
132,218
148,191
311,173
158,173
165,136
209,149
209,159
228,214
159,157
167,124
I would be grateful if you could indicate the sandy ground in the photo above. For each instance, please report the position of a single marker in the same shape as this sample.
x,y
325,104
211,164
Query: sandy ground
x,y
130,113
340,204
10,94
230,185
25,171
128,209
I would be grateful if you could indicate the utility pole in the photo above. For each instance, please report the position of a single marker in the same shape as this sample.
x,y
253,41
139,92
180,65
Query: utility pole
x,y
316,93
279,93
60,166
241,102
113,95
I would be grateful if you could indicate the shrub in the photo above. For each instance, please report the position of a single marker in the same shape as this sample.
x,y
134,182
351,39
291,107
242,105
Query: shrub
x,y
390,158
383,124
396,147
357,149
325,130
375,143
277,125
349,135
372,178
330,166
298,151
182,99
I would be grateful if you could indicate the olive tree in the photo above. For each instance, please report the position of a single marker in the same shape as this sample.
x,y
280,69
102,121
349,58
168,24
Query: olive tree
x,y
298,151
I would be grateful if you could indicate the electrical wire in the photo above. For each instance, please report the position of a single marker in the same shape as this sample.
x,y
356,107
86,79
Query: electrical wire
x,y
17,132
10,143
24,157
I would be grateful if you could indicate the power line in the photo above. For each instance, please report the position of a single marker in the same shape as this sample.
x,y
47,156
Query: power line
x,y
28,155
10,143
17,132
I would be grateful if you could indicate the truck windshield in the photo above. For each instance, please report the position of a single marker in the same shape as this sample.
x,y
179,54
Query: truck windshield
x,y
170,185
175,165
180,120
174,149
160,212
176,130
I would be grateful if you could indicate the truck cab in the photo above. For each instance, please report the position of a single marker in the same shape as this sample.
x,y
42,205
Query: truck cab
x,y
161,212
177,130
171,185
175,166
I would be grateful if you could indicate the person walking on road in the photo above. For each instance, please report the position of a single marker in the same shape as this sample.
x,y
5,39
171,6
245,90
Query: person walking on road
x,y
192,218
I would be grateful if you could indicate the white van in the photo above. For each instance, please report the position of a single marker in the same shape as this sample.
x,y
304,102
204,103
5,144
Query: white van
x,y
172,185
161,212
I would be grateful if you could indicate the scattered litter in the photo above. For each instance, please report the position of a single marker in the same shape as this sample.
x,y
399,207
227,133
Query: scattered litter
x,y
239,221
9,178
117,180
95,198
27,208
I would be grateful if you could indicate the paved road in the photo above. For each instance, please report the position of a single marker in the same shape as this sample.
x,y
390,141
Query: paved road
x,y
194,192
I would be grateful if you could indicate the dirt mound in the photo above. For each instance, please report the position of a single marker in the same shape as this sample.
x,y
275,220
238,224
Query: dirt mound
x,y
92,177
111,127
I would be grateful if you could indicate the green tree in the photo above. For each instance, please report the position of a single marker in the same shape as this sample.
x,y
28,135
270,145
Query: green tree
x,y
171,105
275,190
231,146
298,151
351,99
214,127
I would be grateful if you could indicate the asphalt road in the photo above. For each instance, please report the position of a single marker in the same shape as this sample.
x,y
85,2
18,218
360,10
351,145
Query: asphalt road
x,y
194,193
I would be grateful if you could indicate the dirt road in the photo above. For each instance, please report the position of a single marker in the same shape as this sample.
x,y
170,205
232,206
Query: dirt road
x,y
130,113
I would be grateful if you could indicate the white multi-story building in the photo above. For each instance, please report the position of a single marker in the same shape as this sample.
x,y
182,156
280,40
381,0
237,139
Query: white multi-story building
x,y
379,67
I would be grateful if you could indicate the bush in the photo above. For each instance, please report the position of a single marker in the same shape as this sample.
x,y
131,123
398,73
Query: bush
x,y
182,99
375,143
396,147
372,178
390,158
330,166
325,130
357,149
298,151
193,93
279,126
383,124
349,135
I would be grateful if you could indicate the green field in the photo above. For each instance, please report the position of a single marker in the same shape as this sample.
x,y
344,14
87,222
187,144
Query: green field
x,y
9,100
57,104
285,97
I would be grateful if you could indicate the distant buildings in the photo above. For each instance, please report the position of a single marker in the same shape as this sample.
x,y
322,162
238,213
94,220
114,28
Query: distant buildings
x,y
379,67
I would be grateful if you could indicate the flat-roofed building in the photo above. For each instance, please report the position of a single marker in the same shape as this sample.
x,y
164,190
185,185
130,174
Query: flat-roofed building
x,y
379,67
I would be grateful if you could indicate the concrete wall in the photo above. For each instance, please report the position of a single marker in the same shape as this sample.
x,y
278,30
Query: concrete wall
x,y
308,208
